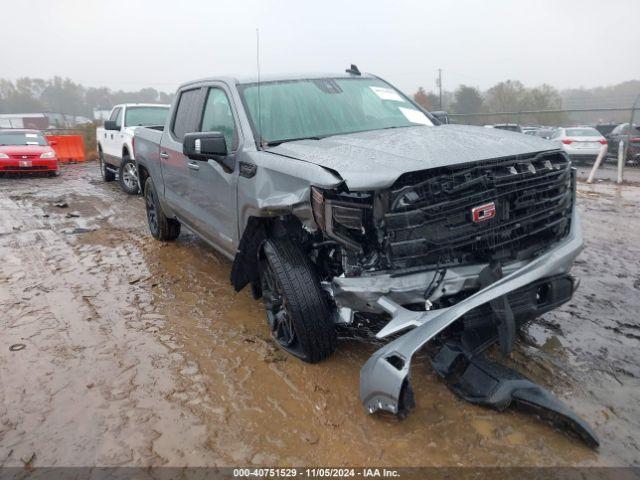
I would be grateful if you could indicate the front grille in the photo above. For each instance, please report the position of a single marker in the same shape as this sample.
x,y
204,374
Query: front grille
x,y
429,219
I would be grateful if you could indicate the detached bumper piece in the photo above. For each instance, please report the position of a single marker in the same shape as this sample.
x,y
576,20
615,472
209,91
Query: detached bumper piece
x,y
484,382
386,375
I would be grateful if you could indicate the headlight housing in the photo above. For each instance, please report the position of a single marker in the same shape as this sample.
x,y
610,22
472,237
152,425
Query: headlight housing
x,y
3,155
48,155
343,217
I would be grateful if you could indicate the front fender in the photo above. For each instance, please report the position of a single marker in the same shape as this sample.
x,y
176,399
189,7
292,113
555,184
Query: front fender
x,y
279,186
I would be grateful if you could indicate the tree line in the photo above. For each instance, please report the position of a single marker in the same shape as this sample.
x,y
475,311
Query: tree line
x,y
507,96
513,96
62,95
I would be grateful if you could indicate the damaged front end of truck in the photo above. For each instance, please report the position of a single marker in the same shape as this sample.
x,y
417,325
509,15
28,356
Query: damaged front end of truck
x,y
474,250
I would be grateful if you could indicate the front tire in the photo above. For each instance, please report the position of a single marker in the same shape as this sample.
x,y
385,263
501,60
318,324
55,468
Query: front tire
x,y
161,227
297,310
128,176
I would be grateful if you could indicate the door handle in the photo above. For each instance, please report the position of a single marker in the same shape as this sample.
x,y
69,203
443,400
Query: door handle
x,y
164,155
193,166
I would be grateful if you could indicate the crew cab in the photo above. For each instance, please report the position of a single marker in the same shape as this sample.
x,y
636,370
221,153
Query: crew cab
x,y
346,206
115,141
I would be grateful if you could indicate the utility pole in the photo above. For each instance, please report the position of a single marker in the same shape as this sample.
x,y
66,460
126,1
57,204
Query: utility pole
x,y
439,83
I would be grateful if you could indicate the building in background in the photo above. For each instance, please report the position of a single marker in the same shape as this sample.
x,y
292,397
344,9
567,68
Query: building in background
x,y
37,121
41,121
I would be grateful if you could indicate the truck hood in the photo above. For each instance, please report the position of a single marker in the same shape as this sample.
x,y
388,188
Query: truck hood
x,y
375,159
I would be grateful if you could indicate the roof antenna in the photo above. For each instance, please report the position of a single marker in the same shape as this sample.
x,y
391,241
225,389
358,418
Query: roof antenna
x,y
353,70
260,142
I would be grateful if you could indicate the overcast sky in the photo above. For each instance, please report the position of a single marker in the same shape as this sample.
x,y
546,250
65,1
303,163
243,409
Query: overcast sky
x,y
161,43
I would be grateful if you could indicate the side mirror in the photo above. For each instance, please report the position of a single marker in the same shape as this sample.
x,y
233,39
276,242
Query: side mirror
x,y
441,115
52,143
111,125
204,145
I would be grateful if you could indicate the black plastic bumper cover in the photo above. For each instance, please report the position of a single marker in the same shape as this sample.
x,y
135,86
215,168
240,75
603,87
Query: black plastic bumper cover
x,y
484,382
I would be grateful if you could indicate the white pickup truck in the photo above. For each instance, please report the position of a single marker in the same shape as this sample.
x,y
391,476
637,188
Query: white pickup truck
x,y
115,141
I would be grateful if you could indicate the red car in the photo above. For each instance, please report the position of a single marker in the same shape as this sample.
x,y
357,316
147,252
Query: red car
x,y
27,151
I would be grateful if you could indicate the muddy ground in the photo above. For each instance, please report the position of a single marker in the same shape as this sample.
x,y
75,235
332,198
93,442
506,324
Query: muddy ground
x,y
140,353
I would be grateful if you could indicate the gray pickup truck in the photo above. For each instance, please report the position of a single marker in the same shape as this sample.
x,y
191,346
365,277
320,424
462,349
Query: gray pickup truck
x,y
346,206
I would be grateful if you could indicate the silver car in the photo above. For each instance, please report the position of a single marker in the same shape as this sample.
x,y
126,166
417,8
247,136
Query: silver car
x,y
582,144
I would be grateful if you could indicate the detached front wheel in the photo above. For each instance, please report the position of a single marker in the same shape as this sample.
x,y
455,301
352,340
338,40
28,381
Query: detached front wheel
x,y
297,311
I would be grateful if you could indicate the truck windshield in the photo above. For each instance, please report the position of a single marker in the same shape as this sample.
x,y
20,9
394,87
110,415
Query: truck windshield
x,y
145,116
314,108
19,138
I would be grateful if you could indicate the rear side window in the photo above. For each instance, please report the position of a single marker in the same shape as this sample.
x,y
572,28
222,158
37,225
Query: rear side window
x,y
218,117
187,114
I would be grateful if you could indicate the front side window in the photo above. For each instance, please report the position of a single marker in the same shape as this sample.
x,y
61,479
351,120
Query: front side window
x,y
186,117
11,138
119,119
145,116
314,108
217,117
115,114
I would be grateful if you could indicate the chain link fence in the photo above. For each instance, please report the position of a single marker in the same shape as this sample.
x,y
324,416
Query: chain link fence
x,y
551,118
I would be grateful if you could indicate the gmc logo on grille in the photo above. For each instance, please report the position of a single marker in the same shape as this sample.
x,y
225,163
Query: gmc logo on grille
x,y
484,212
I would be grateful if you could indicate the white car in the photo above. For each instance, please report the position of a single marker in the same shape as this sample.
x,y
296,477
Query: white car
x,y
582,144
115,141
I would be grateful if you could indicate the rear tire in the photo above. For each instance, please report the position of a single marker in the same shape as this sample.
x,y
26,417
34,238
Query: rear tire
x,y
297,310
128,176
161,227
107,175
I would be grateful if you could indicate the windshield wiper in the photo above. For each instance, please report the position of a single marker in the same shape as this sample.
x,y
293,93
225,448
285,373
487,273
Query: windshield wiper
x,y
275,143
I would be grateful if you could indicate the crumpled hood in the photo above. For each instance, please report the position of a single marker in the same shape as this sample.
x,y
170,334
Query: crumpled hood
x,y
375,159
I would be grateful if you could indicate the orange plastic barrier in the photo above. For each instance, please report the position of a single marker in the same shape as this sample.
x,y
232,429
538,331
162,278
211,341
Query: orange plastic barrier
x,y
69,148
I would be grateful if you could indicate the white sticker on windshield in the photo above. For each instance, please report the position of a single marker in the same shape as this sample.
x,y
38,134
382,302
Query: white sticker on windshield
x,y
415,116
31,135
32,143
387,94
